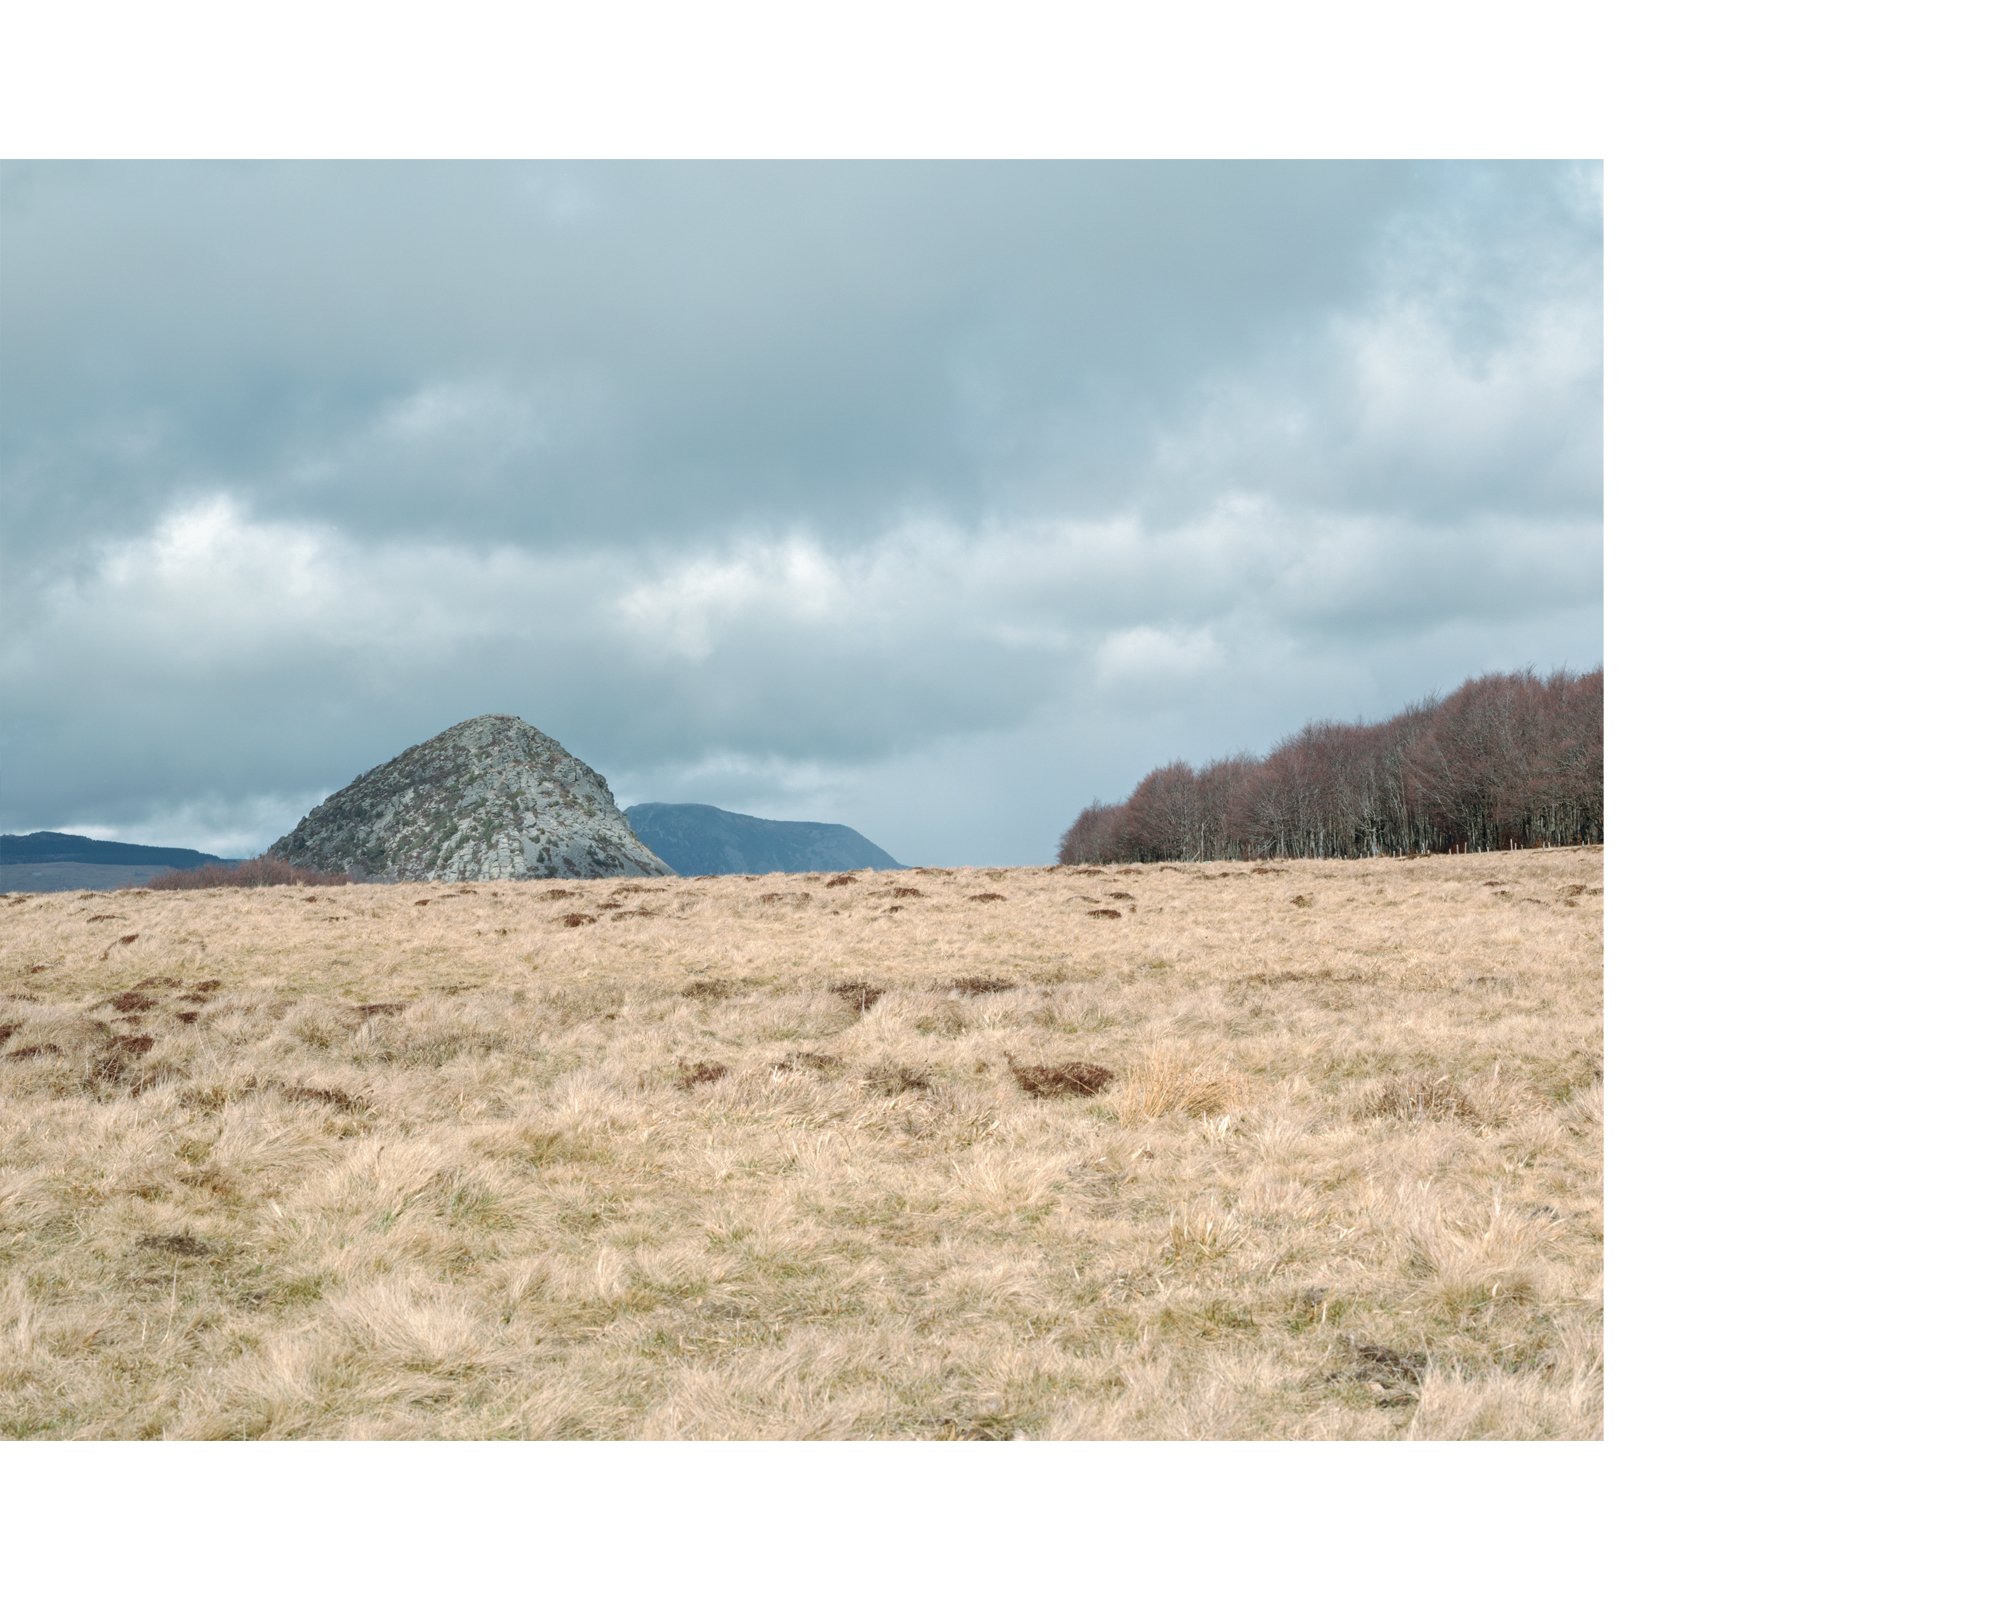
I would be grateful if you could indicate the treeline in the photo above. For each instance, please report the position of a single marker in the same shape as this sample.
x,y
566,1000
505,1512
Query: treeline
x,y
1507,761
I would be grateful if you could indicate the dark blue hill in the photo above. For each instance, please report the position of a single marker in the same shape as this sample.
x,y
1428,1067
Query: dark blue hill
x,y
695,840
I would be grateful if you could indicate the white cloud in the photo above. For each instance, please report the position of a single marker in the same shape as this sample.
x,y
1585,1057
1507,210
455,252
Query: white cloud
x,y
1155,662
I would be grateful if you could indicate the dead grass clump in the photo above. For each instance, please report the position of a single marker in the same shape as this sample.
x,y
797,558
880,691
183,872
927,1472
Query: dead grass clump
x,y
714,988
26,1051
187,1016
1415,1098
893,1080
1302,901
807,1061
1199,1234
129,1002
105,916
907,891
858,995
116,1068
635,911
382,1008
840,880
1167,1084
339,1099
576,919
1266,872
989,896
690,1074
548,894
1388,1377
1107,913
1119,894
980,985
781,897
8,1030
1063,1080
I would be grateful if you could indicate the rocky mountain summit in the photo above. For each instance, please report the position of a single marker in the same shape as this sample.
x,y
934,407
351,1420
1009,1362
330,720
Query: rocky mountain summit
x,y
489,798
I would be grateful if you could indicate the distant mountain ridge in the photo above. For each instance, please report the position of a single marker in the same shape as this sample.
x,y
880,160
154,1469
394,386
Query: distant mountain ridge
x,y
695,840
491,797
20,849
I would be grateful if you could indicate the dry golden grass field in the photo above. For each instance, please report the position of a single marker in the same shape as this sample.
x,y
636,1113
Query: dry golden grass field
x,y
1304,1150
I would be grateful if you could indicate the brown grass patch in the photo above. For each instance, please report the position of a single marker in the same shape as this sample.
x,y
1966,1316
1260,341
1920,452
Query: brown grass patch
x,y
858,995
1416,1098
898,1079
986,895
715,988
116,1067
1388,1377
185,1245
129,1002
980,985
806,1061
840,880
1107,913
1302,901
907,891
1063,1080
576,919
785,897
691,1074
338,1099
551,894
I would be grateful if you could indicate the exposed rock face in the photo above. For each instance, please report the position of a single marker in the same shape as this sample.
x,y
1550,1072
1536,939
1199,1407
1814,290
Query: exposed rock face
x,y
490,798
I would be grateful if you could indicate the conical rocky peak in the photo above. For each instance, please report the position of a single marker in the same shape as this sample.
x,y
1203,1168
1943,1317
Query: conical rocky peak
x,y
492,797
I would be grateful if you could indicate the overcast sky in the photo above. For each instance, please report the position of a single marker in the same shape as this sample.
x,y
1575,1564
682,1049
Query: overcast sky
x,y
935,499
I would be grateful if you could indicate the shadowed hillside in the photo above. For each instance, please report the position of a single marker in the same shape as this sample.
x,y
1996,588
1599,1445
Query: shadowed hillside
x,y
696,840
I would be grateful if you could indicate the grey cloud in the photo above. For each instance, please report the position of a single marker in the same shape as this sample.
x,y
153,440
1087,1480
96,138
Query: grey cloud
x,y
688,345
951,493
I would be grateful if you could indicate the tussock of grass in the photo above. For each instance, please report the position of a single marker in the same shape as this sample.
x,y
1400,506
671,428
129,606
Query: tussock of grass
x,y
417,1161
1171,1081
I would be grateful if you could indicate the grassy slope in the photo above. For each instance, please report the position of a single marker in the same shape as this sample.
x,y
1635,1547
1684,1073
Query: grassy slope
x,y
421,1161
